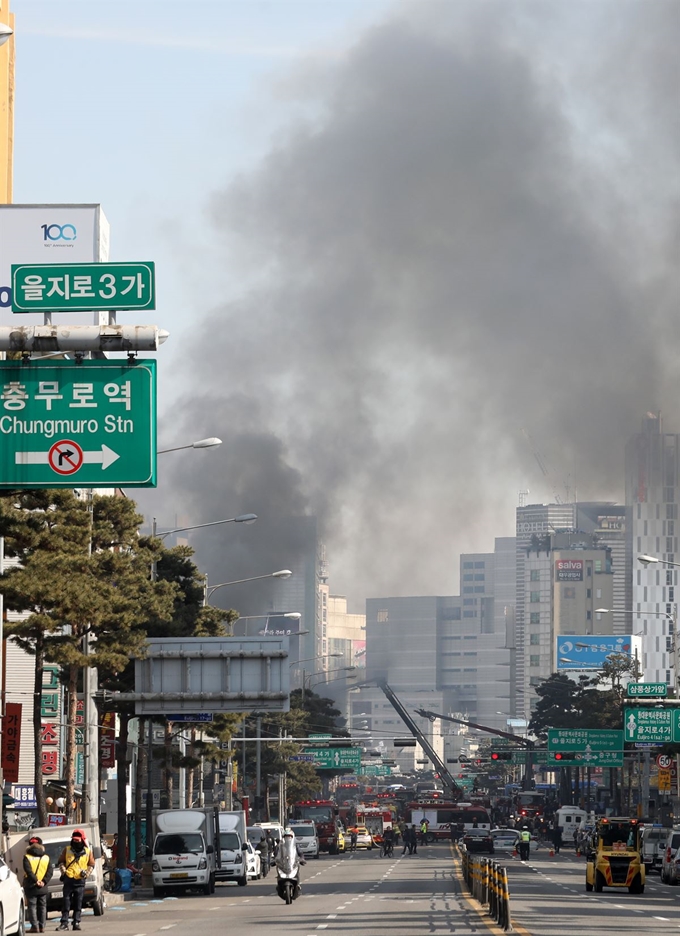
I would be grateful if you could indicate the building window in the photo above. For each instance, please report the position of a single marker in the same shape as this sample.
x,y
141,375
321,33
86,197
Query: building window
x,y
535,597
470,601
535,575
469,577
589,616
534,638
468,565
534,660
669,544
598,592
468,589
479,578
598,565
480,589
589,569
469,614
479,565
535,617
589,593
382,616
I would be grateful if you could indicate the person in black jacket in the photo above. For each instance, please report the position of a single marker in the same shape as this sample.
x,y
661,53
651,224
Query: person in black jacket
x,y
38,870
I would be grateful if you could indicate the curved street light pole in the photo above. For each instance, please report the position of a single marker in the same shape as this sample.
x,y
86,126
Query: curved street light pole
x,y
208,591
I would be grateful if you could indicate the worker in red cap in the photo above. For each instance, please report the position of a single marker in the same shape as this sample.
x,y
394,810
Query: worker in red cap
x,y
75,864
38,870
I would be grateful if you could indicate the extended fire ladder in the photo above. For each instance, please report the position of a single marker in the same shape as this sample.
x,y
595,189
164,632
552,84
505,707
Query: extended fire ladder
x,y
443,771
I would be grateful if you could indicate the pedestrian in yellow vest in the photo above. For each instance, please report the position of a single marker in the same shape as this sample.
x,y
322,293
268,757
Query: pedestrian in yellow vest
x,y
38,870
75,864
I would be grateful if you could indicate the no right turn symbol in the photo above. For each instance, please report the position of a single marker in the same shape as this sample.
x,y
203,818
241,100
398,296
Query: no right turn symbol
x,y
65,457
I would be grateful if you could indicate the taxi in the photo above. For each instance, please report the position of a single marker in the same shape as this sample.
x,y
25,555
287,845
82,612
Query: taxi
x,y
364,837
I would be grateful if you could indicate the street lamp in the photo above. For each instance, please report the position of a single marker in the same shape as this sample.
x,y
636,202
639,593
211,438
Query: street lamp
x,y
281,574
341,669
202,443
242,518
6,33
647,560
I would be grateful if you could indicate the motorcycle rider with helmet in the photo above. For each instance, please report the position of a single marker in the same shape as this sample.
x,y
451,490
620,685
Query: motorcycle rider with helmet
x,y
289,857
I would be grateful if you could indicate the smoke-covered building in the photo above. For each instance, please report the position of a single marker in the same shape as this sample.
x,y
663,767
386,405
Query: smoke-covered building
x,y
652,495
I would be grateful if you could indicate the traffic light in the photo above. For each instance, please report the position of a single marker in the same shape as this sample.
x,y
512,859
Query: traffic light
x,y
564,755
404,742
501,755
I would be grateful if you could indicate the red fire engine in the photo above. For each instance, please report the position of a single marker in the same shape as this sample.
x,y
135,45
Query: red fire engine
x,y
376,819
322,813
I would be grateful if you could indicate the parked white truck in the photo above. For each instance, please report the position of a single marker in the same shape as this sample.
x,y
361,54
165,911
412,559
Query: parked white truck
x,y
233,847
185,850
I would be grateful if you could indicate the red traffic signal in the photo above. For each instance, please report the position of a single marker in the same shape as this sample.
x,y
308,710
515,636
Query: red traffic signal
x,y
564,755
501,755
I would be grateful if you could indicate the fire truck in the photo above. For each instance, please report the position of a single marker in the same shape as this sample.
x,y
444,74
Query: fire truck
x,y
322,813
377,819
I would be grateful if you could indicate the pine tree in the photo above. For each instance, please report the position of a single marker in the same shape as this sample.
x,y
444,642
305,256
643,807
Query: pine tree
x,y
83,571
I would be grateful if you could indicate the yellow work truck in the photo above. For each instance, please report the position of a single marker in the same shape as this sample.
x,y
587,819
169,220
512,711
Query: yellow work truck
x,y
613,856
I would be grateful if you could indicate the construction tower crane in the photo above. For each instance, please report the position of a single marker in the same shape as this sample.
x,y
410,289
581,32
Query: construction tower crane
x,y
542,464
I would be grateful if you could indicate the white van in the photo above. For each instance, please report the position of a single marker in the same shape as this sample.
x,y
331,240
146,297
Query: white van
x,y
652,846
306,837
570,818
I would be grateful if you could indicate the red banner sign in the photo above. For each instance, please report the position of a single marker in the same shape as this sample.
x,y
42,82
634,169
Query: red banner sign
x,y
11,742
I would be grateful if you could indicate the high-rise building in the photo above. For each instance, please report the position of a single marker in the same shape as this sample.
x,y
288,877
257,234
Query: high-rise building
x,y
534,523
652,464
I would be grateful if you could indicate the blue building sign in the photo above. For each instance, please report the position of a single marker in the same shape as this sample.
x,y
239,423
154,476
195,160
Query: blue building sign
x,y
589,652
24,797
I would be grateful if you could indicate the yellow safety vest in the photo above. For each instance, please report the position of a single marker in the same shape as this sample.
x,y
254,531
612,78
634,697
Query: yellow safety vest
x,y
74,864
525,836
39,865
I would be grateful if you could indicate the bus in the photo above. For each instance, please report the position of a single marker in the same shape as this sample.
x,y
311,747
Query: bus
x,y
442,816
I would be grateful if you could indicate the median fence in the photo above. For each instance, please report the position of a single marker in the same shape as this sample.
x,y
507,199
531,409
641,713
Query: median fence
x,y
487,881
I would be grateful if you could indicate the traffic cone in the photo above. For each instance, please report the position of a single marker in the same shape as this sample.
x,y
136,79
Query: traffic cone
x,y
552,852
514,853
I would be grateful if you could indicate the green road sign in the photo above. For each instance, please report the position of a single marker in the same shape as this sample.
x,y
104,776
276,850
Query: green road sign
x,y
467,783
64,424
537,757
660,725
319,737
81,287
336,758
648,690
587,758
375,770
581,739
590,747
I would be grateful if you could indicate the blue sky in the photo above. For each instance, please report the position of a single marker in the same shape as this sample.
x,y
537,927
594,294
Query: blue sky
x,y
150,107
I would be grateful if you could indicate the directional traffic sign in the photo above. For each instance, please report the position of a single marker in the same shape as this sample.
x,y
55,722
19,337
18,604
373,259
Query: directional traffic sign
x,y
590,747
69,424
578,739
336,758
375,770
82,287
660,725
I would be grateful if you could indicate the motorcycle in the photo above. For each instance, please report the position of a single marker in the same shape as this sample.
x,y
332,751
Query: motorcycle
x,y
288,871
